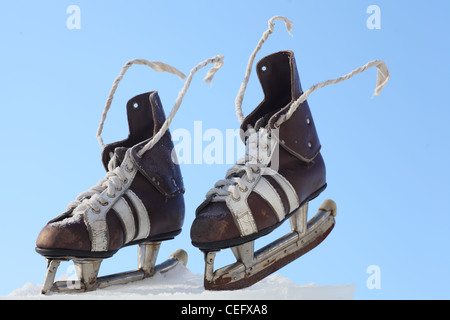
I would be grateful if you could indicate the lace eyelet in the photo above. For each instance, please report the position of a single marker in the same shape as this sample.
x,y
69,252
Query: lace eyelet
x,y
236,199
243,189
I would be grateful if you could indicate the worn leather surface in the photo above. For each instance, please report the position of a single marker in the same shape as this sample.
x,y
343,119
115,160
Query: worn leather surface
x,y
158,183
300,161
298,136
166,213
159,169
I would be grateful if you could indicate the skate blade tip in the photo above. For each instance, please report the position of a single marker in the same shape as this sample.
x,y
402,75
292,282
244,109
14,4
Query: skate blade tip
x,y
329,205
180,255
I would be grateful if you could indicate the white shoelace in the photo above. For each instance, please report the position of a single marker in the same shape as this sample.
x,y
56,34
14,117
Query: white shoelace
x,y
115,178
257,155
233,181
160,67
113,181
383,75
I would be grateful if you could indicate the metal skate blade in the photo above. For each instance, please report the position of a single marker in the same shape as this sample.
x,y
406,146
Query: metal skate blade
x,y
87,271
253,267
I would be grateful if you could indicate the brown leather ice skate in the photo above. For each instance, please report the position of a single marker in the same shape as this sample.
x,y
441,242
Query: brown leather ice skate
x,y
281,172
139,201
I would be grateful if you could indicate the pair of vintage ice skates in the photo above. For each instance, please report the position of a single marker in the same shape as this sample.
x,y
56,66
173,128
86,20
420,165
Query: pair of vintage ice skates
x,y
140,199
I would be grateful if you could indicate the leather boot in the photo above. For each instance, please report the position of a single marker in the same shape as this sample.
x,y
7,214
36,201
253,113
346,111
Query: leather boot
x,y
139,200
257,196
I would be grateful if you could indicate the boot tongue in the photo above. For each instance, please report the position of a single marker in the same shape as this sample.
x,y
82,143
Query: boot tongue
x,y
145,117
278,76
280,82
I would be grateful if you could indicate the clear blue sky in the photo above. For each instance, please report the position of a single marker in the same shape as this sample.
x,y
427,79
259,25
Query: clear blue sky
x,y
387,158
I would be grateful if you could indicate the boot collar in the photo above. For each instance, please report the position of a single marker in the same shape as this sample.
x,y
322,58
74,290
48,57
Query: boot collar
x,y
280,82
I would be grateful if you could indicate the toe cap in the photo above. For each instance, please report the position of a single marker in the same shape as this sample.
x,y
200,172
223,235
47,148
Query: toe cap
x,y
67,234
213,224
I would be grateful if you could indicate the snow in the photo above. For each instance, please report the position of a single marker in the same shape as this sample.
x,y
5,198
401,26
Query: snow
x,y
181,284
